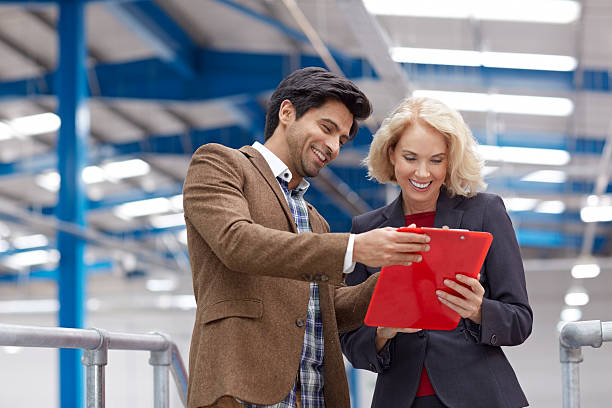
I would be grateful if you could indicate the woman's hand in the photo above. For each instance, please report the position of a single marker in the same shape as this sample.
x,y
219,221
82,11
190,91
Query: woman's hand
x,y
384,334
470,306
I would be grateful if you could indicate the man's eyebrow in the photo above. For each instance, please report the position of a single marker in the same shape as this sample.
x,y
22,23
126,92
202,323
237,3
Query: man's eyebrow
x,y
331,122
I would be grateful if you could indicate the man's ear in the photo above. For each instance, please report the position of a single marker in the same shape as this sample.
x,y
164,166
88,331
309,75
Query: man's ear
x,y
286,113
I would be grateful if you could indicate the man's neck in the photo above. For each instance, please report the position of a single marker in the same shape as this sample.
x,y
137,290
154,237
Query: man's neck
x,y
281,151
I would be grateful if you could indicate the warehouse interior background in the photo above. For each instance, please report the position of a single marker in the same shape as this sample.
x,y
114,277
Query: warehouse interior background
x,y
162,77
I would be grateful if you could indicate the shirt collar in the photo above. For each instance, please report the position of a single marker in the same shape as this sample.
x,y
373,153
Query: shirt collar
x,y
279,169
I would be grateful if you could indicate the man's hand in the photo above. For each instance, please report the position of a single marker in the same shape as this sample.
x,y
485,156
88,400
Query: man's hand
x,y
387,246
470,305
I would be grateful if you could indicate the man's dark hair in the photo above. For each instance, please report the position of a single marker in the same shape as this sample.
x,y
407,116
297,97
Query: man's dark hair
x,y
310,88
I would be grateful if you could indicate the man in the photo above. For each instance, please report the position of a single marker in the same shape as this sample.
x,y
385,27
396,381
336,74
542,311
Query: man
x,y
267,275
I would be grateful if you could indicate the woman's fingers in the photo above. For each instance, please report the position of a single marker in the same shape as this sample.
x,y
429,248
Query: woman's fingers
x,y
469,304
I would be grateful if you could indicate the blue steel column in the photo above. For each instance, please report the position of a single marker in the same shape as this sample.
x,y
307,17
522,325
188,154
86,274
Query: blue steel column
x,y
71,150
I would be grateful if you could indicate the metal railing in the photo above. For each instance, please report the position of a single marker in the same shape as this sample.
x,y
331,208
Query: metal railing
x,y
573,336
95,344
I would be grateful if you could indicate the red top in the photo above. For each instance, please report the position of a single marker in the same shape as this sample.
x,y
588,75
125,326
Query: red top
x,y
425,219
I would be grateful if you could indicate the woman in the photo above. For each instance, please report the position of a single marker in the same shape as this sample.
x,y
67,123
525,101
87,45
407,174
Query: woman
x,y
428,150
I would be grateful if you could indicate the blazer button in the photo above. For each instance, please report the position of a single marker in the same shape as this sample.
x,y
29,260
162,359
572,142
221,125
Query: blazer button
x,y
493,339
300,322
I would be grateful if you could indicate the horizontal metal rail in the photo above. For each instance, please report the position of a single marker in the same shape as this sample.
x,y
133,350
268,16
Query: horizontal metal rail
x,y
96,343
573,337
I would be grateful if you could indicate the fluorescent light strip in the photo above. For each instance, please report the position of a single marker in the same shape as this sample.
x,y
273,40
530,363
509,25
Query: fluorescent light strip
x,y
94,174
35,124
177,202
30,241
546,176
516,204
541,11
576,298
126,169
167,221
596,214
525,155
31,258
585,271
487,59
161,285
551,207
499,103
141,208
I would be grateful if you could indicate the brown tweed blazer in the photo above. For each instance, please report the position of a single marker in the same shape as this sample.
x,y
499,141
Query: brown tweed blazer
x,y
251,274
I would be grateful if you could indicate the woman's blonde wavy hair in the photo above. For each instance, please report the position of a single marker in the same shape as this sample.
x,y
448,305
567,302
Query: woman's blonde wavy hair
x,y
463,174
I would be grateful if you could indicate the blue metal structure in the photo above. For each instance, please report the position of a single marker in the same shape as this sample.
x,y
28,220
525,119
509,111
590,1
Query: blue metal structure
x,y
72,142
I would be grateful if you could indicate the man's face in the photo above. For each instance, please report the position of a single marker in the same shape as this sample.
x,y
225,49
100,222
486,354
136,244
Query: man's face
x,y
316,137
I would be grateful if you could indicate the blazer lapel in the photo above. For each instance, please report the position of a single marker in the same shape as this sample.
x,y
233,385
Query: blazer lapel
x,y
446,213
264,169
394,213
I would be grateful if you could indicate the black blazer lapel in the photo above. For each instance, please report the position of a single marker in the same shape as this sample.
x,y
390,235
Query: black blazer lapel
x,y
394,213
264,169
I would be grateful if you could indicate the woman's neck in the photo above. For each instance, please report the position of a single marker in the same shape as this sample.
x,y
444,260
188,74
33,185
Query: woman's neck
x,y
416,208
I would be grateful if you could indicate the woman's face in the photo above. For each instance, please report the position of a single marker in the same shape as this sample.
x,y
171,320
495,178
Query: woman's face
x,y
420,160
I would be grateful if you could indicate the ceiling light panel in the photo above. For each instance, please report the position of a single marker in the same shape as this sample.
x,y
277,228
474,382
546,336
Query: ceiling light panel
x,y
551,207
500,103
585,271
126,169
30,241
35,124
524,155
487,59
31,258
516,204
141,208
541,11
546,176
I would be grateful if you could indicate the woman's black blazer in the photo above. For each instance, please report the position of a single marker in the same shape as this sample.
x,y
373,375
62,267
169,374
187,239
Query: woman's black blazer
x,y
466,366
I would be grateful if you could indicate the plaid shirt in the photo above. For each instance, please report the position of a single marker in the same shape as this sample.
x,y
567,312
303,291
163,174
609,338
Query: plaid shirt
x,y
311,362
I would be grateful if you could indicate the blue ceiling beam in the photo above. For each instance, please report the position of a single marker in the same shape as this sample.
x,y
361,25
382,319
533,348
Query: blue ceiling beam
x,y
153,25
230,74
221,75
484,77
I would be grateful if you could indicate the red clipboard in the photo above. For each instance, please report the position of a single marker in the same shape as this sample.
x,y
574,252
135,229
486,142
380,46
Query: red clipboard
x,y
405,296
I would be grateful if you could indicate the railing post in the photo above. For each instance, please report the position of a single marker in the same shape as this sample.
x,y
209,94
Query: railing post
x,y
161,360
570,375
94,360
